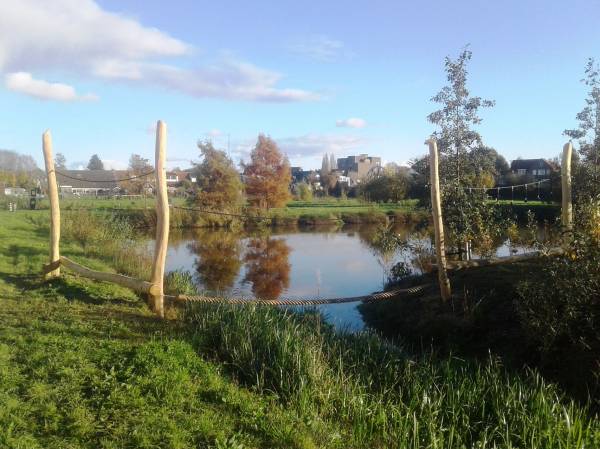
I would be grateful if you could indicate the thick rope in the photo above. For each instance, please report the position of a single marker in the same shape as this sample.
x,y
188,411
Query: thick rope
x,y
408,292
76,178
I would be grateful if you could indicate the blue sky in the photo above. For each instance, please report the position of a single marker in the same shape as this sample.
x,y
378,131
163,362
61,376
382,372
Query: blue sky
x,y
99,74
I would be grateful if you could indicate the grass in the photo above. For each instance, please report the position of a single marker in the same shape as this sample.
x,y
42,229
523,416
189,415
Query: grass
x,y
85,365
378,394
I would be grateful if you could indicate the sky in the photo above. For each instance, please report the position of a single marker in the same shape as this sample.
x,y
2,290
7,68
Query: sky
x,y
317,76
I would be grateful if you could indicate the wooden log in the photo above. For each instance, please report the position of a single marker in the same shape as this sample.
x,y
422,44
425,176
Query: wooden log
x,y
567,206
461,264
48,268
162,221
438,223
54,205
120,279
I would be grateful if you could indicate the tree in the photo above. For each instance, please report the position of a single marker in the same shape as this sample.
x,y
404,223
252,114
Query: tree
x,y
467,214
459,113
587,175
387,187
138,166
304,191
218,182
95,163
60,161
268,175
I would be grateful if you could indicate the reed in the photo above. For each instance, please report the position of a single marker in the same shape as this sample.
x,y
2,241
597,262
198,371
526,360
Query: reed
x,y
377,393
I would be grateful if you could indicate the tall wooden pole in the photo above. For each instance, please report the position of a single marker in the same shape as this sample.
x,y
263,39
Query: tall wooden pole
x,y
567,206
54,205
438,223
162,221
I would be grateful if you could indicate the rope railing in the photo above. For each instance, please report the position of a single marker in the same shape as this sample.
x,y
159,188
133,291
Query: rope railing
x,y
78,178
239,215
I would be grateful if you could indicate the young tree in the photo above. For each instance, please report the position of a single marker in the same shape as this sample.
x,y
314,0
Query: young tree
x,y
95,163
466,214
457,117
218,182
60,161
587,179
268,175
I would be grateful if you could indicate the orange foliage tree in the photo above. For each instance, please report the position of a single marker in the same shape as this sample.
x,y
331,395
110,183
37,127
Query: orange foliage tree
x,y
268,175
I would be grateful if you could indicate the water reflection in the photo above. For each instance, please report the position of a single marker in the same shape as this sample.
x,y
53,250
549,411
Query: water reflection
x,y
267,266
219,259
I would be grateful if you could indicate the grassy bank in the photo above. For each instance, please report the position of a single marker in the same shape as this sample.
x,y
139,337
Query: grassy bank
x,y
483,317
84,364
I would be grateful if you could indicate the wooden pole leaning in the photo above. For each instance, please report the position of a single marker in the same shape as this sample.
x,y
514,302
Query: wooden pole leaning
x,y
162,222
54,206
438,223
567,205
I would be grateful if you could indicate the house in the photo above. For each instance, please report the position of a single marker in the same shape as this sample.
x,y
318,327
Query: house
x,y
536,168
15,191
89,182
357,167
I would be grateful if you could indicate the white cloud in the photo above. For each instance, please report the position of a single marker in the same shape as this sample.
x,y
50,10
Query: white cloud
x,y
78,37
306,146
319,48
317,144
112,164
24,83
214,133
352,122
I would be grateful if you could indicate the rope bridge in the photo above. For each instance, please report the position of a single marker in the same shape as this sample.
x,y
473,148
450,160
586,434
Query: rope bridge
x,y
147,287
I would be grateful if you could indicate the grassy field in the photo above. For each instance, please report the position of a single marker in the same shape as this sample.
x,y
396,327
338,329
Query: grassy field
x,y
85,365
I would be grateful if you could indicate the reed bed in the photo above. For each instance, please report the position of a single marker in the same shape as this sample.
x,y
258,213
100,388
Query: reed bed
x,y
377,395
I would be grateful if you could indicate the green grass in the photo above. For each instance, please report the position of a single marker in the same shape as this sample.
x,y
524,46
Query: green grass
x,y
85,365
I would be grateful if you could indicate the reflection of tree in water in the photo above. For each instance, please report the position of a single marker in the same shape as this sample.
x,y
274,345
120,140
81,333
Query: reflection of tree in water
x,y
219,259
267,267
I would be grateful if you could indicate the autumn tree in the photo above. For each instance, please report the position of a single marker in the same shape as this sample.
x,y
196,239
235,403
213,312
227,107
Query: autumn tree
x,y
95,163
268,175
587,173
218,182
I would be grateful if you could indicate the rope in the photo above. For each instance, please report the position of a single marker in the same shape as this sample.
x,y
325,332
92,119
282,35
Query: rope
x,y
230,214
301,302
76,178
515,186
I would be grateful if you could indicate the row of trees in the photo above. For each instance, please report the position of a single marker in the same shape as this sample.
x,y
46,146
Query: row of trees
x,y
264,182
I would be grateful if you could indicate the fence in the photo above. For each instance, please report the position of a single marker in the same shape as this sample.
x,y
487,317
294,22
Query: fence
x,y
154,288
443,266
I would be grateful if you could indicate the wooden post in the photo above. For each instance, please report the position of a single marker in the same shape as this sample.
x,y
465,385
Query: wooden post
x,y
567,206
54,205
162,221
438,223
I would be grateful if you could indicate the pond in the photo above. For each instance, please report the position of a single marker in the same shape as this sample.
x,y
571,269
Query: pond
x,y
299,263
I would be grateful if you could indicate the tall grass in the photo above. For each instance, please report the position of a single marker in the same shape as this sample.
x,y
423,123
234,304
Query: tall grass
x,y
112,238
377,394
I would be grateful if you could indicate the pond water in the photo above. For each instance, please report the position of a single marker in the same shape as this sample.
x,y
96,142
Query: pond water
x,y
299,263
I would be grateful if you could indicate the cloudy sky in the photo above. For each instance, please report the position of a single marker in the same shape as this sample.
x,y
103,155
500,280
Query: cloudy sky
x,y
318,76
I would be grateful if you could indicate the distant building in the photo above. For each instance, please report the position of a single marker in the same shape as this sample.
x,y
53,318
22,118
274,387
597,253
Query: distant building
x,y
15,191
356,168
536,168
89,182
